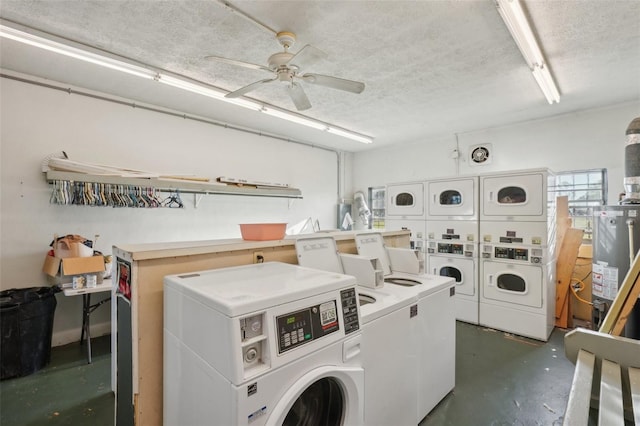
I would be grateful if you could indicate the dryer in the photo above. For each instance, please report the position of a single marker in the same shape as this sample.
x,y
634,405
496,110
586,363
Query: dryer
x,y
517,290
435,311
453,198
388,329
405,200
452,251
264,344
516,196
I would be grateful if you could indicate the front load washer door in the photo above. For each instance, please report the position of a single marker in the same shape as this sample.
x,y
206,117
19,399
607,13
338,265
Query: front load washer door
x,y
513,284
325,396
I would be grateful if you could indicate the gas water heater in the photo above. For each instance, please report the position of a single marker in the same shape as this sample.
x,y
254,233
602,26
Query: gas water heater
x,y
616,239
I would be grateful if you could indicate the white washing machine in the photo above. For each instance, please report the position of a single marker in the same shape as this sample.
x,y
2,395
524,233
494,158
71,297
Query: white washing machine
x,y
264,344
388,350
436,313
516,196
453,198
405,200
452,251
518,290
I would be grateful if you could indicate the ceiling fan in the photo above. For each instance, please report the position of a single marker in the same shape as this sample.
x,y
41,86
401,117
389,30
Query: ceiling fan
x,y
287,68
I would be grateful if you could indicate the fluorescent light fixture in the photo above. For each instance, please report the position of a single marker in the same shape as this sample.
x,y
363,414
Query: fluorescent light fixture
x,y
180,83
349,134
73,52
206,91
294,118
516,21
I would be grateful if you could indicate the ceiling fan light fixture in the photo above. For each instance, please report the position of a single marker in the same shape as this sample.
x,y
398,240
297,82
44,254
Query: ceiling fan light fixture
x,y
518,25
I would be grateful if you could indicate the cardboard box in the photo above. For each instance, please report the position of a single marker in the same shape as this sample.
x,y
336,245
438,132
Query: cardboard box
x,y
62,270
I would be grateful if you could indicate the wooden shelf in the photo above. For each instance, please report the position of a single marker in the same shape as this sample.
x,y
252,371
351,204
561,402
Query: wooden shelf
x,y
171,185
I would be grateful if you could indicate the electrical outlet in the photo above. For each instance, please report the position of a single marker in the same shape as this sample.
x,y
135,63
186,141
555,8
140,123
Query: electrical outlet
x,y
258,257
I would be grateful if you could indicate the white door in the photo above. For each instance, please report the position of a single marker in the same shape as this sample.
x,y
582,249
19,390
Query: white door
x,y
513,284
452,198
461,270
405,199
514,195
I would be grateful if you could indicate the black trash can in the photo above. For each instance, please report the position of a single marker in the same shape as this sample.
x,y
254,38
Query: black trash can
x,y
26,322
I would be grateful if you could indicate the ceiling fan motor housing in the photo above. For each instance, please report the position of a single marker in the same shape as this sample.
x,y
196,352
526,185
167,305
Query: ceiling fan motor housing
x,y
286,38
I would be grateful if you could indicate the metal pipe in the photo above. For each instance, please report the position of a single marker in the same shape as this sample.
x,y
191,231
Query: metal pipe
x,y
632,252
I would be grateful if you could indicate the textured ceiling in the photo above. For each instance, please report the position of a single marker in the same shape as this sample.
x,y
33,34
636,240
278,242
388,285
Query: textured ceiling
x,y
431,68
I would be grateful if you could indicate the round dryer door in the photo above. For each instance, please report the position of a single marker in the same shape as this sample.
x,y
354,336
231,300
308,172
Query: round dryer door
x,y
325,396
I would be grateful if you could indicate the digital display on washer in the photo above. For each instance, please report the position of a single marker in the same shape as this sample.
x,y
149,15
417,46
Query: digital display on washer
x,y
300,327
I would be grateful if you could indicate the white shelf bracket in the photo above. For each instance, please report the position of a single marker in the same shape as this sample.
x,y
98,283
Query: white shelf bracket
x,y
196,199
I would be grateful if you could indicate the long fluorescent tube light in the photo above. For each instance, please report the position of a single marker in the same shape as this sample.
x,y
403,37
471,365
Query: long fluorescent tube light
x,y
349,134
294,118
76,53
516,21
180,83
206,91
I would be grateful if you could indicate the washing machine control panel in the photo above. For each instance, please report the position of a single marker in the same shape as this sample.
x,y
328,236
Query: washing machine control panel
x,y
300,327
305,325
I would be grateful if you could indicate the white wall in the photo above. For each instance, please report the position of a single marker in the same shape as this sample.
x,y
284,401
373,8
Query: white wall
x,y
36,122
584,140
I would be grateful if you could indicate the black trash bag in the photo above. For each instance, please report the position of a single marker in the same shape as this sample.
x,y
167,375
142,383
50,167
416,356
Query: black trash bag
x,y
26,323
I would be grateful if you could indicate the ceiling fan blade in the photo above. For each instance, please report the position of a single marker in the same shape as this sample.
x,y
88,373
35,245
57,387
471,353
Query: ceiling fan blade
x,y
306,56
238,63
298,96
246,89
334,82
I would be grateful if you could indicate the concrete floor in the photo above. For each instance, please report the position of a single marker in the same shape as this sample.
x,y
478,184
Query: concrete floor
x,y
501,379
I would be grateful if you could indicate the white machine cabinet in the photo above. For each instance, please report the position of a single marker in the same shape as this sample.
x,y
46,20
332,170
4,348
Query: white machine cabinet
x,y
406,200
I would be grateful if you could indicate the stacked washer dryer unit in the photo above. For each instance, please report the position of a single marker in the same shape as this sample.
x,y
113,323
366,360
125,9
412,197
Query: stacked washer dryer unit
x,y
452,238
405,209
435,336
266,344
517,266
388,328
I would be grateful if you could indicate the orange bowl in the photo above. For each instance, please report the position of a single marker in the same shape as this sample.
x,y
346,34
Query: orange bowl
x,y
262,231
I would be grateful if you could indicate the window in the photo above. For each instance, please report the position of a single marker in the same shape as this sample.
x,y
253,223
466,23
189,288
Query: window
x,y
585,189
376,203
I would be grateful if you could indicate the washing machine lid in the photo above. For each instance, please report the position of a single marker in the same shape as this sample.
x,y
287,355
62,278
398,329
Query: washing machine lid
x,y
319,253
428,283
244,289
371,244
386,300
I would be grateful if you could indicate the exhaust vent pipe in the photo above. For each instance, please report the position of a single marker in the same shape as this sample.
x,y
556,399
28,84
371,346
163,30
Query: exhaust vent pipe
x,y
632,164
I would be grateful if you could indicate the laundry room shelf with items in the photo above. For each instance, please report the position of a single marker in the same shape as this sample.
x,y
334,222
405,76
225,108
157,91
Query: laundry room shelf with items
x,y
150,186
